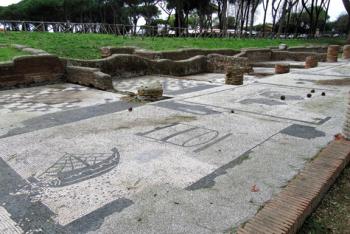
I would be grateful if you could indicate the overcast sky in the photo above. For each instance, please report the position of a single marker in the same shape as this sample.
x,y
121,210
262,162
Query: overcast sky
x,y
336,8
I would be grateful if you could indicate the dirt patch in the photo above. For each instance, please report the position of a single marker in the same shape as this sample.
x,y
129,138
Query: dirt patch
x,y
333,214
333,82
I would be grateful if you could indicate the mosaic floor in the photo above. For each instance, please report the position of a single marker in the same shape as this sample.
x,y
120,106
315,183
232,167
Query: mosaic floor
x,y
77,160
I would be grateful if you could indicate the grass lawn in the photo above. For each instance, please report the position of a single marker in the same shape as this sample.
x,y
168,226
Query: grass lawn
x,y
6,54
86,46
333,214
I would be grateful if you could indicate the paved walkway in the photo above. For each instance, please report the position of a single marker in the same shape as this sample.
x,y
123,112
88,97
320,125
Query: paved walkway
x,y
75,160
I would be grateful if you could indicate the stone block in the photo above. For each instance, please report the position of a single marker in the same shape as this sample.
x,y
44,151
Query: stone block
x,y
151,92
311,61
90,77
283,47
282,68
332,53
235,76
346,52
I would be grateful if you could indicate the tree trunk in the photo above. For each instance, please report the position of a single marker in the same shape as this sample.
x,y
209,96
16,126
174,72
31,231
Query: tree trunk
x,y
265,14
347,7
224,16
282,20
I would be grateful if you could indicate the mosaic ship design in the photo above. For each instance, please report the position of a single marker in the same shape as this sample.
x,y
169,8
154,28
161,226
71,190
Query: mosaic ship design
x,y
75,168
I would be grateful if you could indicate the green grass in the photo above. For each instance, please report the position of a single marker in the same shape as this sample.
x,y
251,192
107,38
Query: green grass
x,y
86,46
6,54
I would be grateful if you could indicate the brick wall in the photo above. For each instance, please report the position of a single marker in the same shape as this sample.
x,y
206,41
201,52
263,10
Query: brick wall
x,y
30,70
91,77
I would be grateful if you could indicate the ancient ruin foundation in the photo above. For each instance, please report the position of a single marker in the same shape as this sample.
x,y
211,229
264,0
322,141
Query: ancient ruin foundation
x,y
234,75
346,52
332,53
310,62
282,68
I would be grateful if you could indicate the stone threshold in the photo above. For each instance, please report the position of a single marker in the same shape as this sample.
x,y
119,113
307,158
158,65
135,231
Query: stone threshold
x,y
287,211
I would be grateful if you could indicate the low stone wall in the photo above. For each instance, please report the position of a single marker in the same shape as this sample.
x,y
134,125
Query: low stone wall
x,y
296,56
171,55
110,50
252,54
122,65
192,66
30,70
91,77
256,55
220,64
312,49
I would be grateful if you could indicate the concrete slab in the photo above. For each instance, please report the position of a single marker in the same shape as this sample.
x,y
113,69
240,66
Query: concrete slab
x,y
182,165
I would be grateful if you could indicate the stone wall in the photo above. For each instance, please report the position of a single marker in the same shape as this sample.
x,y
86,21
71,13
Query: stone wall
x,y
171,55
256,55
91,77
252,54
218,63
264,55
296,56
313,49
123,65
110,50
30,70
120,65
194,65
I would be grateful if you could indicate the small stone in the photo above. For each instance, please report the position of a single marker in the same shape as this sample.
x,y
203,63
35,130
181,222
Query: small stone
x,y
176,203
323,94
283,97
139,220
309,95
312,91
130,109
283,47
232,111
152,92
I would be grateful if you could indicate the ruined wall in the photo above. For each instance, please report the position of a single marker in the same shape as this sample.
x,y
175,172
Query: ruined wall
x,y
220,64
91,77
312,49
256,55
171,55
296,56
122,65
195,65
110,50
30,70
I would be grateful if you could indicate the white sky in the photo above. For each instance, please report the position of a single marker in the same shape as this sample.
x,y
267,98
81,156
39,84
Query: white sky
x,y
335,9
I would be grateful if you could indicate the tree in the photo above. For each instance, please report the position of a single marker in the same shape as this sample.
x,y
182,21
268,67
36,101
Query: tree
x,y
265,6
340,25
347,8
